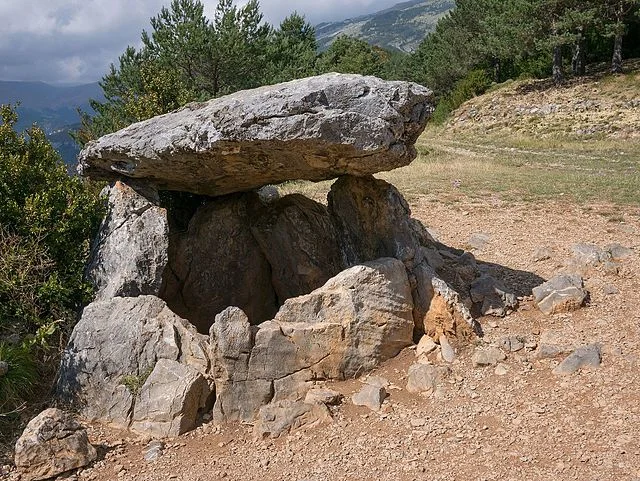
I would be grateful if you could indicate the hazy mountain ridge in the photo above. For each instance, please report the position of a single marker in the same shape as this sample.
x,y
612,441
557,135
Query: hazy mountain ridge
x,y
401,27
52,108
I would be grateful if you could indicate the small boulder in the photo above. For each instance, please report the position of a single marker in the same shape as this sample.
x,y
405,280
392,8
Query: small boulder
x,y
169,400
425,346
618,252
561,293
424,377
446,350
478,241
589,254
542,254
51,444
370,396
493,297
513,343
284,416
323,396
488,356
585,357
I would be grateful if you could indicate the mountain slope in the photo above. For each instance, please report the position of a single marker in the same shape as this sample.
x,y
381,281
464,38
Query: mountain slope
x,y
53,108
401,27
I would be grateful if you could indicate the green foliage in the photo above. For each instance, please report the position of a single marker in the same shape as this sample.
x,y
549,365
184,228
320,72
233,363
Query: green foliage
x,y
475,83
515,38
351,55
292,50
46,223
19,380
134,382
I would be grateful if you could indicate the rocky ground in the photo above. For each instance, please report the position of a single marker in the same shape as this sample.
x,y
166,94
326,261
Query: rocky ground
x,y
515,420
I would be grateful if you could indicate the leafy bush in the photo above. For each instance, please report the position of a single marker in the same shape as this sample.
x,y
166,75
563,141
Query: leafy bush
x,y
47,221
474,83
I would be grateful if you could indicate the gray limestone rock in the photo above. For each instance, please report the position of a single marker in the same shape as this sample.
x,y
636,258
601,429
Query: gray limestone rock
x,y
619,252
373,220
169,400
493,296
487,356
513,343
323,396
217,263
370,396
424,377
585,357
284,416
590,254
51,444
300,242
129,255
561,293
358,319
315,128
115,346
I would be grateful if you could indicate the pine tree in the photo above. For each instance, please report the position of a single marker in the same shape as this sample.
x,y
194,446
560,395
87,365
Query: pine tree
x,y
616,15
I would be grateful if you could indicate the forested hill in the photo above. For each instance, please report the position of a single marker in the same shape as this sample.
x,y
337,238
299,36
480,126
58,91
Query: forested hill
x,y
401,27
53,108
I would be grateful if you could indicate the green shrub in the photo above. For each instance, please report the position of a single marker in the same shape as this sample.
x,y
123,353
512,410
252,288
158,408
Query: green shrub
x,y
476,82
47,221
18,381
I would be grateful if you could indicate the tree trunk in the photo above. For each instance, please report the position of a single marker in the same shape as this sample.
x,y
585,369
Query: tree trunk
x,y
578,63
616,62
558,75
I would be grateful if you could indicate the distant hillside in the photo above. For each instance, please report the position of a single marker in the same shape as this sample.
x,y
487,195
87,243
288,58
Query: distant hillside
x,y
599,105
401,27
53,108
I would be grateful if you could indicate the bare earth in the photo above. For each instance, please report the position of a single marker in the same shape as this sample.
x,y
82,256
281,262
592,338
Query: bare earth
x,y
478,425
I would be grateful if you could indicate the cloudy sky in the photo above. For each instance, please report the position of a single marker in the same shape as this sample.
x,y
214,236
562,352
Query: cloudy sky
x,y
74,41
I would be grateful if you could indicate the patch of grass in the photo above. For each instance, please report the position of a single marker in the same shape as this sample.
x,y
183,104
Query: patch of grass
x,y
18,375
522,168
134,382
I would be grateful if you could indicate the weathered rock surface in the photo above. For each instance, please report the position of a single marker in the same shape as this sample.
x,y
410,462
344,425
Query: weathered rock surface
x,y
300,243
494,298
370,396
561,293
373,220
129,254
487,356
424,377
358,319
115,345
585,357
285,416
323,396
170,399
314,129
590,254
51,444
217,263
425,346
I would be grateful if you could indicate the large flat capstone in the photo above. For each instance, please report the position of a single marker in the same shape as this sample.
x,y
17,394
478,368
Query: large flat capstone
x,y
313,129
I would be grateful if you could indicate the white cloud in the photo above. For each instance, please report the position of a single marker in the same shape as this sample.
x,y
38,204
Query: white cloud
x,y
76,40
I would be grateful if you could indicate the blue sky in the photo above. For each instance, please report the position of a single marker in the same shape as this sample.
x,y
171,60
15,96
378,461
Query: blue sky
x,y
74,41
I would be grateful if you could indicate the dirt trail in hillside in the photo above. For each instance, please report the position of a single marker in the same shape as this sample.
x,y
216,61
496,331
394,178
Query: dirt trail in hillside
x,y
525,424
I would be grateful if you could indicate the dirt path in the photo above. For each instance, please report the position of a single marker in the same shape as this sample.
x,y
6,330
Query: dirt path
x,y
478,425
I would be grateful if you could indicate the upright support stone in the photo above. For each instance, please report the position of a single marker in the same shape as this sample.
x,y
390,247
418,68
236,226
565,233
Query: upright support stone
x,y
129,254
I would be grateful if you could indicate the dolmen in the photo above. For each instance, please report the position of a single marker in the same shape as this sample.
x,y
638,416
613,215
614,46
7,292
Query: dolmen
x,y
217,297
